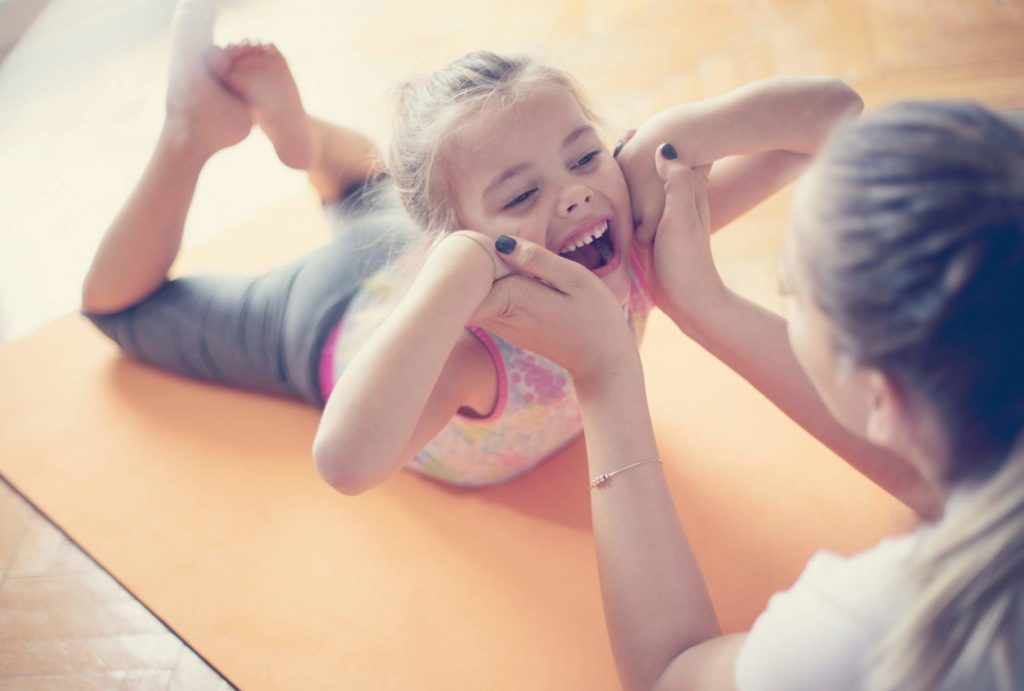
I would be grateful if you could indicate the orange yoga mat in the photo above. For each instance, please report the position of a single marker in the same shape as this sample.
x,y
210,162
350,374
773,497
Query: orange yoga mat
x,y
205,504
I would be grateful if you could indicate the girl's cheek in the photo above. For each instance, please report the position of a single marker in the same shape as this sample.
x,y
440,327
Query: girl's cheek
x,y
530,227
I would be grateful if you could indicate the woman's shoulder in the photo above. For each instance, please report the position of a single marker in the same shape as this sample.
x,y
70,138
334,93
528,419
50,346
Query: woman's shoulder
x,y
818,633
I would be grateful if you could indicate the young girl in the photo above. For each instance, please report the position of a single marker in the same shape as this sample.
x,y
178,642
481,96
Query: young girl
x,y
906,269
489,143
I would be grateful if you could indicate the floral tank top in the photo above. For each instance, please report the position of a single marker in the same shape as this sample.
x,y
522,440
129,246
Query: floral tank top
x,y
536,413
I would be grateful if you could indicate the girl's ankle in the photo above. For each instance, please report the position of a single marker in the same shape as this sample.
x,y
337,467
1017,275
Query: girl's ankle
x,y
180,138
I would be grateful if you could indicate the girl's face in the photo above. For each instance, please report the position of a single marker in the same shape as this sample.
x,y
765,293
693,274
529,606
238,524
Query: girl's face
x,y
538,170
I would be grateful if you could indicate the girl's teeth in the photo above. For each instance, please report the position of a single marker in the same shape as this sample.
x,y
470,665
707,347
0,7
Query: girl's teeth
x,y
601,230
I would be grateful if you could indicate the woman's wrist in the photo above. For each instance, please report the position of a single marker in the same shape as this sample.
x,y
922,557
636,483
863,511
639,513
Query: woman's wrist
x,y
698,314
608,373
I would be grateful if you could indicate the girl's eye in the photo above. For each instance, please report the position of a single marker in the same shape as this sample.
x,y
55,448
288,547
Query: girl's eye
x,y
520,199
586,159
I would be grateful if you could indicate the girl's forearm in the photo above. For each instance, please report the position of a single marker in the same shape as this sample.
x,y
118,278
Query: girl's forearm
x,y
379,400
755,344
793,114
139,247
655,601
765,131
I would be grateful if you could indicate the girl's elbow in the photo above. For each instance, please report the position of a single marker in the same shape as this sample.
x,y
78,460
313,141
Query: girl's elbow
x,y
844,102
339,470
95,301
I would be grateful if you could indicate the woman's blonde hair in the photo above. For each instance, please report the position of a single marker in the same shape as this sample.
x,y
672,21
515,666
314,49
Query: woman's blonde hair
x,y
429,109
918,260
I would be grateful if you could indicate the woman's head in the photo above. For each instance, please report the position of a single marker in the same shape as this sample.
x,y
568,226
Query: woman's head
x,y
908,262
909,243
506,145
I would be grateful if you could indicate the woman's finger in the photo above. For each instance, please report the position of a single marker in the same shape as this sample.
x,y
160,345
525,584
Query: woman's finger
x,y
509,298
529,258
679,185
650,204
700,191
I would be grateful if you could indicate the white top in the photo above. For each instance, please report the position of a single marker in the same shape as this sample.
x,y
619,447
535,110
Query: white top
x,y
820,633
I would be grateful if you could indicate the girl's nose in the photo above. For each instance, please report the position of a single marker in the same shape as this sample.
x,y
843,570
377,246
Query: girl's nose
x,y
575,197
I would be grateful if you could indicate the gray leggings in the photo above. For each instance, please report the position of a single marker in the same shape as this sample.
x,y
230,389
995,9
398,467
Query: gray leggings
x,y
266,332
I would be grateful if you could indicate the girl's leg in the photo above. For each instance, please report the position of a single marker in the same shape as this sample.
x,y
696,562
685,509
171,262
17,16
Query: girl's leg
x,y
262,332
217,328
267,332
202,117
336,158
347,160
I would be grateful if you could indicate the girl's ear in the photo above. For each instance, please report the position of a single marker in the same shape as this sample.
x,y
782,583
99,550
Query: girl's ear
x,y
887,410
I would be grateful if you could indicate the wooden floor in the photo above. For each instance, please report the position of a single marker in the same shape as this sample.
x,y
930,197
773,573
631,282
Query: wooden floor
x,y
66,624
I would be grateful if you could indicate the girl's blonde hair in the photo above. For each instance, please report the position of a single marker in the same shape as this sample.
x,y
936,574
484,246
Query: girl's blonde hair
x,y
918,259
429,109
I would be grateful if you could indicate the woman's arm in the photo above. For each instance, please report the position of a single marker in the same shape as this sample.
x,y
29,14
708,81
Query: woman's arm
x,y
765,131
660,620
655,601
412,375
753,341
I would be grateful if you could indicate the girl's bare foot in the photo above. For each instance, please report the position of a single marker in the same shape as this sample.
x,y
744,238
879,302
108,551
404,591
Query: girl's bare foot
x,y
259,75
208,116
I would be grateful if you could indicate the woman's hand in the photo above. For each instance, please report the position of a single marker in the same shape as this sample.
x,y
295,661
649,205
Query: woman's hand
x,y
560,310
682,273
636,159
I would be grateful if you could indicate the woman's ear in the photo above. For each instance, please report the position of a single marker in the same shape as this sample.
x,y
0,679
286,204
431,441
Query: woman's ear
x,y
887,410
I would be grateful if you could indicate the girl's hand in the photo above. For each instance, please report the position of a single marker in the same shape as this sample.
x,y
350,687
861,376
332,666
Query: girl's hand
x,y
558,309
683,278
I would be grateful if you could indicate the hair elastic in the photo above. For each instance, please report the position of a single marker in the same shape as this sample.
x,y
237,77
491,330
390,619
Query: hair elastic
x,y
494,261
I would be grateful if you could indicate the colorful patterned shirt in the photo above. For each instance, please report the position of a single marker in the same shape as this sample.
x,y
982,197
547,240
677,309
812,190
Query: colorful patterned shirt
x,y
536,413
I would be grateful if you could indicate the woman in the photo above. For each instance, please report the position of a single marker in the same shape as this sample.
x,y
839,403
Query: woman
x,y
906,266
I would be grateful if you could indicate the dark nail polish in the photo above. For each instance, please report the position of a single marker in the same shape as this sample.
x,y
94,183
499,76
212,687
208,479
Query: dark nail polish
x,y
618,148
505,244
669,152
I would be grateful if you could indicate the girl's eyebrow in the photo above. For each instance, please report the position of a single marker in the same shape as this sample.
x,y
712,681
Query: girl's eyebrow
x,y
515,170
576,134
506,176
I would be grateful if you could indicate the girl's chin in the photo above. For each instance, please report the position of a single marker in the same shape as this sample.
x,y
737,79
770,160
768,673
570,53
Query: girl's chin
x,y
618,282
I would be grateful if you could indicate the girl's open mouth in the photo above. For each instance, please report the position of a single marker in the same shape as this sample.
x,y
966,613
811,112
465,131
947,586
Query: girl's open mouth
x,y
596,251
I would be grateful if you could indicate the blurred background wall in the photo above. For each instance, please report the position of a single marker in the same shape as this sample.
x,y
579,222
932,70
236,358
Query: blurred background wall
x,y
81,89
